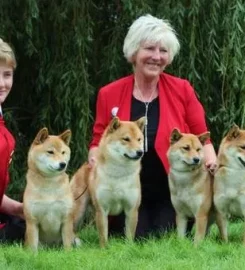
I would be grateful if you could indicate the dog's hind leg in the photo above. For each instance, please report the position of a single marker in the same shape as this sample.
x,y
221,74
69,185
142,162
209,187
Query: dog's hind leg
x,y
131,223
79,211
102,226
181,222
32,235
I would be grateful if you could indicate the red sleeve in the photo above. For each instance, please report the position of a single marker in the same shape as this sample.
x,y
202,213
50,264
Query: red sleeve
x,y
101,119
195,115
3,166
7,144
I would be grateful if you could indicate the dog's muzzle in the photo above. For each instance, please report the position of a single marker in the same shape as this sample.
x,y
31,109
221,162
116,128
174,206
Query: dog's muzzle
x,y
62,166
138,155
194,162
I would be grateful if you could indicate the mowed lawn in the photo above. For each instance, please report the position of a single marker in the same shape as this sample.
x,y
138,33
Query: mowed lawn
x,y
165,253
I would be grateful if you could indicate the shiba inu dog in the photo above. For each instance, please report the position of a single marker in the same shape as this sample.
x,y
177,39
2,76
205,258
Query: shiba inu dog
x,y
114,183
229,180
189,182
48,200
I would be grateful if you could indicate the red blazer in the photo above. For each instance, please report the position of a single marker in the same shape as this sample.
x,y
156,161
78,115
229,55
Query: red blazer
x,y
179,107
7,144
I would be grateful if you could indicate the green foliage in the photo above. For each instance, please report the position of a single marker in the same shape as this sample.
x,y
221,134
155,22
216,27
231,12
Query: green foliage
x,y
67,50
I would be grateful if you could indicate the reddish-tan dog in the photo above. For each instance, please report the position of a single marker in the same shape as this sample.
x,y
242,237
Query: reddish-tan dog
x,y
229,180
114,183
48,201
189,182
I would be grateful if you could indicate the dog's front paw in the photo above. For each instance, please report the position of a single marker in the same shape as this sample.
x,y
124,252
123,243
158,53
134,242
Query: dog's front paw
x,y
77,242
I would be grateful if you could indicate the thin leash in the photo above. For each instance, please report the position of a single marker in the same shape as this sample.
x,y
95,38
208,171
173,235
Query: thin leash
x,y
82,193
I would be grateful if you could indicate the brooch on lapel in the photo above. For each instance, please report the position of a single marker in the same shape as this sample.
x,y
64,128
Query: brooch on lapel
x,y
114,112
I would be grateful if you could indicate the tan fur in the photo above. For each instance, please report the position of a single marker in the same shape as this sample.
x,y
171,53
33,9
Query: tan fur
x,y
229,180
189,182
79,188
48,201
114,183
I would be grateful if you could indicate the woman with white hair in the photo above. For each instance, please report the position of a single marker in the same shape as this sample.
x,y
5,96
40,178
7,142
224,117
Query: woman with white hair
x,y
166,101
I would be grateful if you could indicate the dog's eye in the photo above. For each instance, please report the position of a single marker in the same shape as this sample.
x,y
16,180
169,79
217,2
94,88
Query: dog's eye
x,y
126,139
243,147
139,139
63,152
187,148
50,152
198,149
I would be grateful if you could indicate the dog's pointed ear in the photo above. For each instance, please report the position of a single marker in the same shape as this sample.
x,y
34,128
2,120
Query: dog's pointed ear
x,y
233,133
204,137
114,124
66,136
175,136
41,136
141,123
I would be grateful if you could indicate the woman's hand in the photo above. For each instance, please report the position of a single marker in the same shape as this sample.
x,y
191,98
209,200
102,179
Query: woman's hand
x,y
210,158
92,156
12,207
211,166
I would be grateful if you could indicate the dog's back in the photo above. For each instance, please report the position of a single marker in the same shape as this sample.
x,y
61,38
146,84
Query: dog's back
x,y
48,201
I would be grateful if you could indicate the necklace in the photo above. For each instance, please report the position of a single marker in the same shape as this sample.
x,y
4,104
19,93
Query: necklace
x,y
146,113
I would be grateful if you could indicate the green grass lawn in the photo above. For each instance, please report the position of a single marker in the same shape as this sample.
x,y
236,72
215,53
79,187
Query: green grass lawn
x,y
165,253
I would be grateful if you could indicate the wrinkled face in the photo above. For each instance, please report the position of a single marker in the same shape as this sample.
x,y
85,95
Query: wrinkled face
x,y
234,150
50,157
186,153
125,143
151,59
6,81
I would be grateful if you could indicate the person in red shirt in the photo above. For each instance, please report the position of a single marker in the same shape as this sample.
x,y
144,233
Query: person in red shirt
x,y
167,101
11,211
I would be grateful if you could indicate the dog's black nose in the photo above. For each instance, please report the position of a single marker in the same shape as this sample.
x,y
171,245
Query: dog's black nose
x,y
62,165
196,160
139,153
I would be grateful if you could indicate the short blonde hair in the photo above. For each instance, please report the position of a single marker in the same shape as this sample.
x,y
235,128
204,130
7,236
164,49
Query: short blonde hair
x,y
7,54
152,29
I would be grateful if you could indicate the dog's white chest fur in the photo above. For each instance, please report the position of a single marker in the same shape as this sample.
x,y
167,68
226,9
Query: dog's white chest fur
x,y
188,202
50,213
230,198
184,196
116,194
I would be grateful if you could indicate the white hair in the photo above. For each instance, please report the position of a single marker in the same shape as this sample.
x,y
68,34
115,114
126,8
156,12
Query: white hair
x,y
150,29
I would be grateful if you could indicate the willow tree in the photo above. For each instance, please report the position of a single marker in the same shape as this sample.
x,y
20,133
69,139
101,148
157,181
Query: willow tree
x,y
66,50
